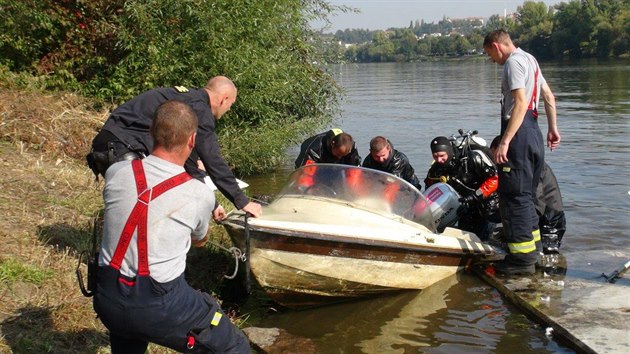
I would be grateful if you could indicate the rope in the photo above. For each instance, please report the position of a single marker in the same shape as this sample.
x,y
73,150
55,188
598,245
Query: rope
x,y
248,280
236,253
259,201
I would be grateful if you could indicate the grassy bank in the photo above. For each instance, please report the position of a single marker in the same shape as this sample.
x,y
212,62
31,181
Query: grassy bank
x,y
44,204
47,200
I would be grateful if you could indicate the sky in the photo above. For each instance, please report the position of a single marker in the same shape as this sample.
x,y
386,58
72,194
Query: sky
x,y
383,14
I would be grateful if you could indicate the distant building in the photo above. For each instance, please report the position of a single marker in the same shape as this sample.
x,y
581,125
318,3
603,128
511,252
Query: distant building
x,y
425,35
470,19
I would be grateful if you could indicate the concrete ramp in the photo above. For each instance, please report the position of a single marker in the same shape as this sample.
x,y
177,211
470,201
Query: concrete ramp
x,y
577,306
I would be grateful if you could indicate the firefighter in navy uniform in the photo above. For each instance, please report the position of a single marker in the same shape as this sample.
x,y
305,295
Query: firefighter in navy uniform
x,y
549,207
520,154
474,176
125,136
154,212
333,146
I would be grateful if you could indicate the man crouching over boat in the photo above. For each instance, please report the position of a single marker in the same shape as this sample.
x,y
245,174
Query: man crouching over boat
x,y
154,211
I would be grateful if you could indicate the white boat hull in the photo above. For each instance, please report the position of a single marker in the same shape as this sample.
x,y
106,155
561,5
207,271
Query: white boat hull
x,y
307,250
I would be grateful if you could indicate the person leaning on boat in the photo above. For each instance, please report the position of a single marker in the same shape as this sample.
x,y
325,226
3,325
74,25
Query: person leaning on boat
x,y
384,157
142,295
549,207
333,146
125,136
474,177
520,154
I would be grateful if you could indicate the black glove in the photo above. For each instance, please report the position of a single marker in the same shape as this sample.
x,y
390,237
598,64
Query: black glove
x,y
472,197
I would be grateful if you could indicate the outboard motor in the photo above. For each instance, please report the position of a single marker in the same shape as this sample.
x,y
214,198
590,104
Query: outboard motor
x,y
444,203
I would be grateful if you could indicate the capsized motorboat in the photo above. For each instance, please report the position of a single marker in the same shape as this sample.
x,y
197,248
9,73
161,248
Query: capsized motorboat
x,y
337,232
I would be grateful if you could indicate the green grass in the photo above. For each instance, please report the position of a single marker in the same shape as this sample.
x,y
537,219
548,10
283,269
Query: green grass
x,y
12,270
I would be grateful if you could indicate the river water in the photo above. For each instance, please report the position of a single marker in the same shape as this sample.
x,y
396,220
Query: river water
x,y
410,103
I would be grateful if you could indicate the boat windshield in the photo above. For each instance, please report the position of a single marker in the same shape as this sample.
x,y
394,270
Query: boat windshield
x,y
365,188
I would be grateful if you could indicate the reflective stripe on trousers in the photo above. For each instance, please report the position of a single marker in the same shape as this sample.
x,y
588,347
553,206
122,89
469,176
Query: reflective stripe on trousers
x,y
527,246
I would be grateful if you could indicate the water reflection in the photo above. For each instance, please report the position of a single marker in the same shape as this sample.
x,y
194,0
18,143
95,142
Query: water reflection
x,y
384,325
456,315
599,86
407,329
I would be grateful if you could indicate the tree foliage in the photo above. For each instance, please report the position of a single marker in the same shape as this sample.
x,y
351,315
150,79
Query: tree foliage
x,y
534,30
114,49
575,29
354,36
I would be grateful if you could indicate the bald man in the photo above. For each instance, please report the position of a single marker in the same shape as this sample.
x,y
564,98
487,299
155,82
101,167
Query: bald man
x,y
125,136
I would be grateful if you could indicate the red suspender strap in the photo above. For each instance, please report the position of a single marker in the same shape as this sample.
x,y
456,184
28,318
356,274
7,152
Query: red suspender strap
x,y
134,218
138,174
532,101
139,215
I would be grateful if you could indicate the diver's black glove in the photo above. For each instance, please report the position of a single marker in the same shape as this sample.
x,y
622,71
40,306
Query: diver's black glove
x,y
472,197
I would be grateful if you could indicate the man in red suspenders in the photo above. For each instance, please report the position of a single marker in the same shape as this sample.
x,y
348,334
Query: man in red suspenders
x,y
520,154
154,212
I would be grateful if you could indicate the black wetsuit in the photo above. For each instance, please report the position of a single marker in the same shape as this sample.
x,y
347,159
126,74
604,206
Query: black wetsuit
x,y
397,164
549,208
318,150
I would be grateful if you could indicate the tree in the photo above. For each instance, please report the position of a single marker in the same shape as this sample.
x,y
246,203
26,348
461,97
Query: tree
x,y
461,45
381,48
115,49
534,28
405,43
350,54
442,46
476,40
334,52
591,27
569,32
496,22
423,47
621,43
354,35
608,25
580,28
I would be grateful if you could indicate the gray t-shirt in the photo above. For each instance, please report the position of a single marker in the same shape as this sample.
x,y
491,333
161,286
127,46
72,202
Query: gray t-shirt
x,y
518,73
173,218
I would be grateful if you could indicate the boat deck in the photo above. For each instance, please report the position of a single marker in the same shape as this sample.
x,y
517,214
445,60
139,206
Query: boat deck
x,y
574,303
314,215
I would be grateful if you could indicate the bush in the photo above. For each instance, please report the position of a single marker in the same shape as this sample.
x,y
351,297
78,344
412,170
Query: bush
x,y
113,50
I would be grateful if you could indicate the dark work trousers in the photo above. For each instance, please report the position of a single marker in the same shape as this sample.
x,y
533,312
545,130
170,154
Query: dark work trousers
x,y
105,141
140,310
101,140
518,179
107,149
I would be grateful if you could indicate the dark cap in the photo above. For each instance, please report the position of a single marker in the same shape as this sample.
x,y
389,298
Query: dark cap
x,y
441,143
